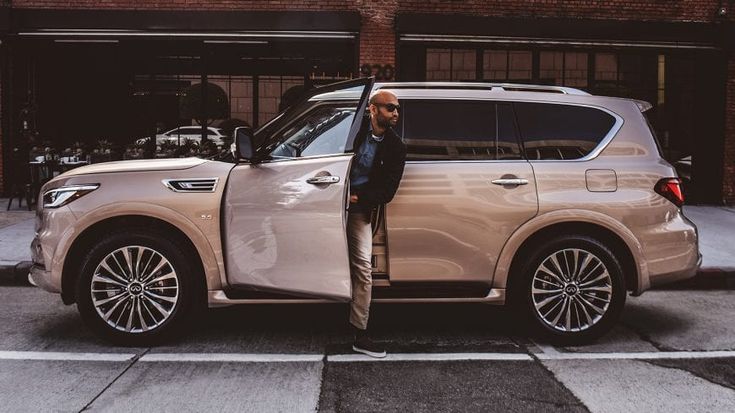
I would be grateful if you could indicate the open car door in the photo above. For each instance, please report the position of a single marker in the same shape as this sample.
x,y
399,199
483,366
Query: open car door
x,y
285,216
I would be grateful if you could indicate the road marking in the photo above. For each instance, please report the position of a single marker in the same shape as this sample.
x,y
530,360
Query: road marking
x,y
64,356
430,357
345,358
644,355
231,357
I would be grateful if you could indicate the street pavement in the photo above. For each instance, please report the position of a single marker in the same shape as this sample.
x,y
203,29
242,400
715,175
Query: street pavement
x,y
672,351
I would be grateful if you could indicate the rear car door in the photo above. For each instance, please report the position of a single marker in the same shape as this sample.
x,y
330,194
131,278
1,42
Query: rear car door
x,y
284,218
466,188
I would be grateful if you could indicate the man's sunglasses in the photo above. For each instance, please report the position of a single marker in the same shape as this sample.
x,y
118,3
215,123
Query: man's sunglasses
x,y
389,107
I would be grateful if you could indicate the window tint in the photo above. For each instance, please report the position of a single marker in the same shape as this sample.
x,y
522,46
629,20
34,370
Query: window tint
x,y
458,130
552,131
321,131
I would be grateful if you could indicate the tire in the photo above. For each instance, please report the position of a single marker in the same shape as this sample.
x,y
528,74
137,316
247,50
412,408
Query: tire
x,y
568,303
142,303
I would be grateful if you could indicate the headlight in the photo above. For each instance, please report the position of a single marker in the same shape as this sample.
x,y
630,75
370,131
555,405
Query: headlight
x,y
55,198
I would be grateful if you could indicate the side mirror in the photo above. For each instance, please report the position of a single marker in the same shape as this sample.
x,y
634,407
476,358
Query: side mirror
x,y
244,148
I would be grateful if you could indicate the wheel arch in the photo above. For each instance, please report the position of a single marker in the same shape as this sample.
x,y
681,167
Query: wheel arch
x,y
599,226
92,233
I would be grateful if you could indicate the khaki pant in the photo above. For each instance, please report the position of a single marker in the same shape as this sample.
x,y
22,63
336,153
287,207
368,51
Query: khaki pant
x,y
360,240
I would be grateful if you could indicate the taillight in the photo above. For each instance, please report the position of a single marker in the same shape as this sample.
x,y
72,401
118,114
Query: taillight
x,y
670,188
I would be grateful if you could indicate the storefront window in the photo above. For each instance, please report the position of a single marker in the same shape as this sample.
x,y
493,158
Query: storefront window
x,y
270,91
451,64
507,65
563,68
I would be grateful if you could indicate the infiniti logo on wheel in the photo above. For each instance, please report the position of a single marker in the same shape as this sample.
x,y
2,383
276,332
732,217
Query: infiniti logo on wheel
x,y
135,288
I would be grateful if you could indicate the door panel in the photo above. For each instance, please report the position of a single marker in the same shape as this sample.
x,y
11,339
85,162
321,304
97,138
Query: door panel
x,y
283,233
448,221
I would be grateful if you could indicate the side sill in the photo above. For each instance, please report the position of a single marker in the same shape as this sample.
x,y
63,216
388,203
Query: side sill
x,y
218,298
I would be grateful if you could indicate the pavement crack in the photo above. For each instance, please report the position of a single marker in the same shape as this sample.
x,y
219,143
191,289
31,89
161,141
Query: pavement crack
x,y
645,337
553,377
693,372
132,363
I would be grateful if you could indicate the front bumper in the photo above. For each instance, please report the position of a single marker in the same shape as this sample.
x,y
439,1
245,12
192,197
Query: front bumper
x,y
39,277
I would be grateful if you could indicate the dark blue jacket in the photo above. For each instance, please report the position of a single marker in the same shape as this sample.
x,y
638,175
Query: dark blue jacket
x,y
385,174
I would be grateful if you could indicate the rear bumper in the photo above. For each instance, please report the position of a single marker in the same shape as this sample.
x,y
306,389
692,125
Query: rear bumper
x,y
662,279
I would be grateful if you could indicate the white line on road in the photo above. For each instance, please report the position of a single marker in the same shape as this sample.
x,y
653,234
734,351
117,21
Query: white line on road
x,y
431,357
232,357
63,356
652,355
342,358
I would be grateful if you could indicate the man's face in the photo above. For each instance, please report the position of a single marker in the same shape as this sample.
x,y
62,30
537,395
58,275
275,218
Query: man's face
x,y
381,110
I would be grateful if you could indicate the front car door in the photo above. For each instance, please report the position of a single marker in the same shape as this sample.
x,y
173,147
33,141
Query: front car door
x,y
284,218
466,188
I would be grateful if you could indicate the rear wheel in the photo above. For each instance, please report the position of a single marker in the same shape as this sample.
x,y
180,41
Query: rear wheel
x,y
572,289
136,288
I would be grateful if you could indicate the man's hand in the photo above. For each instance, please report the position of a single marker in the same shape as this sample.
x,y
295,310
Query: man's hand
x,y
353,199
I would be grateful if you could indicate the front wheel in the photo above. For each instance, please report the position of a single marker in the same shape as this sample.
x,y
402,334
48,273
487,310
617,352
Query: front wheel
x,y
572,289
136,287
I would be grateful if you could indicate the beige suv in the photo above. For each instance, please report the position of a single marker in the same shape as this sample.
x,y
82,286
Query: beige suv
x,y
547,198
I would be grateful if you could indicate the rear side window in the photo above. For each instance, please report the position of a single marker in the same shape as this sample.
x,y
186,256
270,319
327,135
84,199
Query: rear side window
x,y
458,130
553,131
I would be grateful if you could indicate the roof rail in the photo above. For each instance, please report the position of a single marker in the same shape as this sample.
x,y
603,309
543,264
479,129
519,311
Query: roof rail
x,y
507,87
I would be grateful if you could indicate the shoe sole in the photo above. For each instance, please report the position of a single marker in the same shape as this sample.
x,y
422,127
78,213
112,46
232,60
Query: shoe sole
x,y
370,353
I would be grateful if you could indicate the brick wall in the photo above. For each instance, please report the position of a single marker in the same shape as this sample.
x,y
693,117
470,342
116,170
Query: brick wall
x,y
728,184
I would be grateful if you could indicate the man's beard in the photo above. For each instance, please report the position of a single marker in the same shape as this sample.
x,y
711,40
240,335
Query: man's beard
x,y
384,122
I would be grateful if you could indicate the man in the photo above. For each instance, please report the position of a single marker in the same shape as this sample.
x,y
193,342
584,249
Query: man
x,y
380,156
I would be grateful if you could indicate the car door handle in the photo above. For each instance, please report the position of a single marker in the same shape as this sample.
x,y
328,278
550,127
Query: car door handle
x,y
324,179
510,181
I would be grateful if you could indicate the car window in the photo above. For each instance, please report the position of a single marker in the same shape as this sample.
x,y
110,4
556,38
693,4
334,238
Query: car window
x,y
458,130
323,130
555,131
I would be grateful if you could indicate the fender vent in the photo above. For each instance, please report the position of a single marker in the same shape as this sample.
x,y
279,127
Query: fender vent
x,y
191,184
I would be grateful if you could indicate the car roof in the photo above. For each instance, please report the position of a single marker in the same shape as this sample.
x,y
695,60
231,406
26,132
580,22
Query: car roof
x,y
476,90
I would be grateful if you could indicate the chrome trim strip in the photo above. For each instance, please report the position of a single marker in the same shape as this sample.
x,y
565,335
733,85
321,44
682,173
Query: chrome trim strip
x,y
562,42
228,35
214,181
217,298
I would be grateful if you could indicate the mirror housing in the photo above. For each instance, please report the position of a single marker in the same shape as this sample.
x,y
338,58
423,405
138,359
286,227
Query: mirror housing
x,y
244,147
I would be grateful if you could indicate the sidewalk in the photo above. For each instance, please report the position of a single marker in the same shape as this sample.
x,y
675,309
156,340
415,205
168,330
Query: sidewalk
x,y
716,243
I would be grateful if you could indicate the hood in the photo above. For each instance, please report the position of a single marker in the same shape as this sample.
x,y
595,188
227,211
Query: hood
x,y
141,165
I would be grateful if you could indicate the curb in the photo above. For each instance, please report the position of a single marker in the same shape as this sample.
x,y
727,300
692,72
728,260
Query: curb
x,y
15,274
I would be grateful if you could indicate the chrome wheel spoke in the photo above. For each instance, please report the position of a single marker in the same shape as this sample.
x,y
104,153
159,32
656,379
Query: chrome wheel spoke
x,y
143,280
571,290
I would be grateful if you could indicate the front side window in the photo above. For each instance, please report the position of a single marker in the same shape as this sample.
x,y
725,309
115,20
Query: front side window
x,y
459,130
555,131
322,130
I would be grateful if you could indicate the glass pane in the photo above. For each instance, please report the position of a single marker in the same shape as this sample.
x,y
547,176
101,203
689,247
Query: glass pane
x,y
507,143
441,130
552,131
495,65
606,67
551,66
438,64
270,92
321,131
520,64
464,63
575,69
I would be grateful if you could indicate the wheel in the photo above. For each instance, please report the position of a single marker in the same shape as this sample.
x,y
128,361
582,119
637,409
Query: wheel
x,y
572,289
137,288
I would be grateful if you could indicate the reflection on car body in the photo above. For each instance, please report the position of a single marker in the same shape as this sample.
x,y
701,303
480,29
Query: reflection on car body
x,y
547,198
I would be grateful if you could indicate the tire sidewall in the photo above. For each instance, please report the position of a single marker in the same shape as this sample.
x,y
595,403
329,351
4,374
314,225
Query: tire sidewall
x,y
157,241
525,300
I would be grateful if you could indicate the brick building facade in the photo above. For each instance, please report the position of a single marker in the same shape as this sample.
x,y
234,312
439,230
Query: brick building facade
x,y
678,54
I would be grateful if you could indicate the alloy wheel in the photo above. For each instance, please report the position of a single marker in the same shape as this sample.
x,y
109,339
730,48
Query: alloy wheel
x,y
134,289
571,290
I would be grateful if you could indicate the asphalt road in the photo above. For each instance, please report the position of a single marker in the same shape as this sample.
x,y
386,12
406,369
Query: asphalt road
x,y
673,351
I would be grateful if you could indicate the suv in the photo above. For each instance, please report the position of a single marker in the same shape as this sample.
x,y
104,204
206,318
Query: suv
x,y
546,198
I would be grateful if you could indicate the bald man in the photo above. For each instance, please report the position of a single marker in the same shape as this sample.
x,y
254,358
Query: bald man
x,y
380,156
